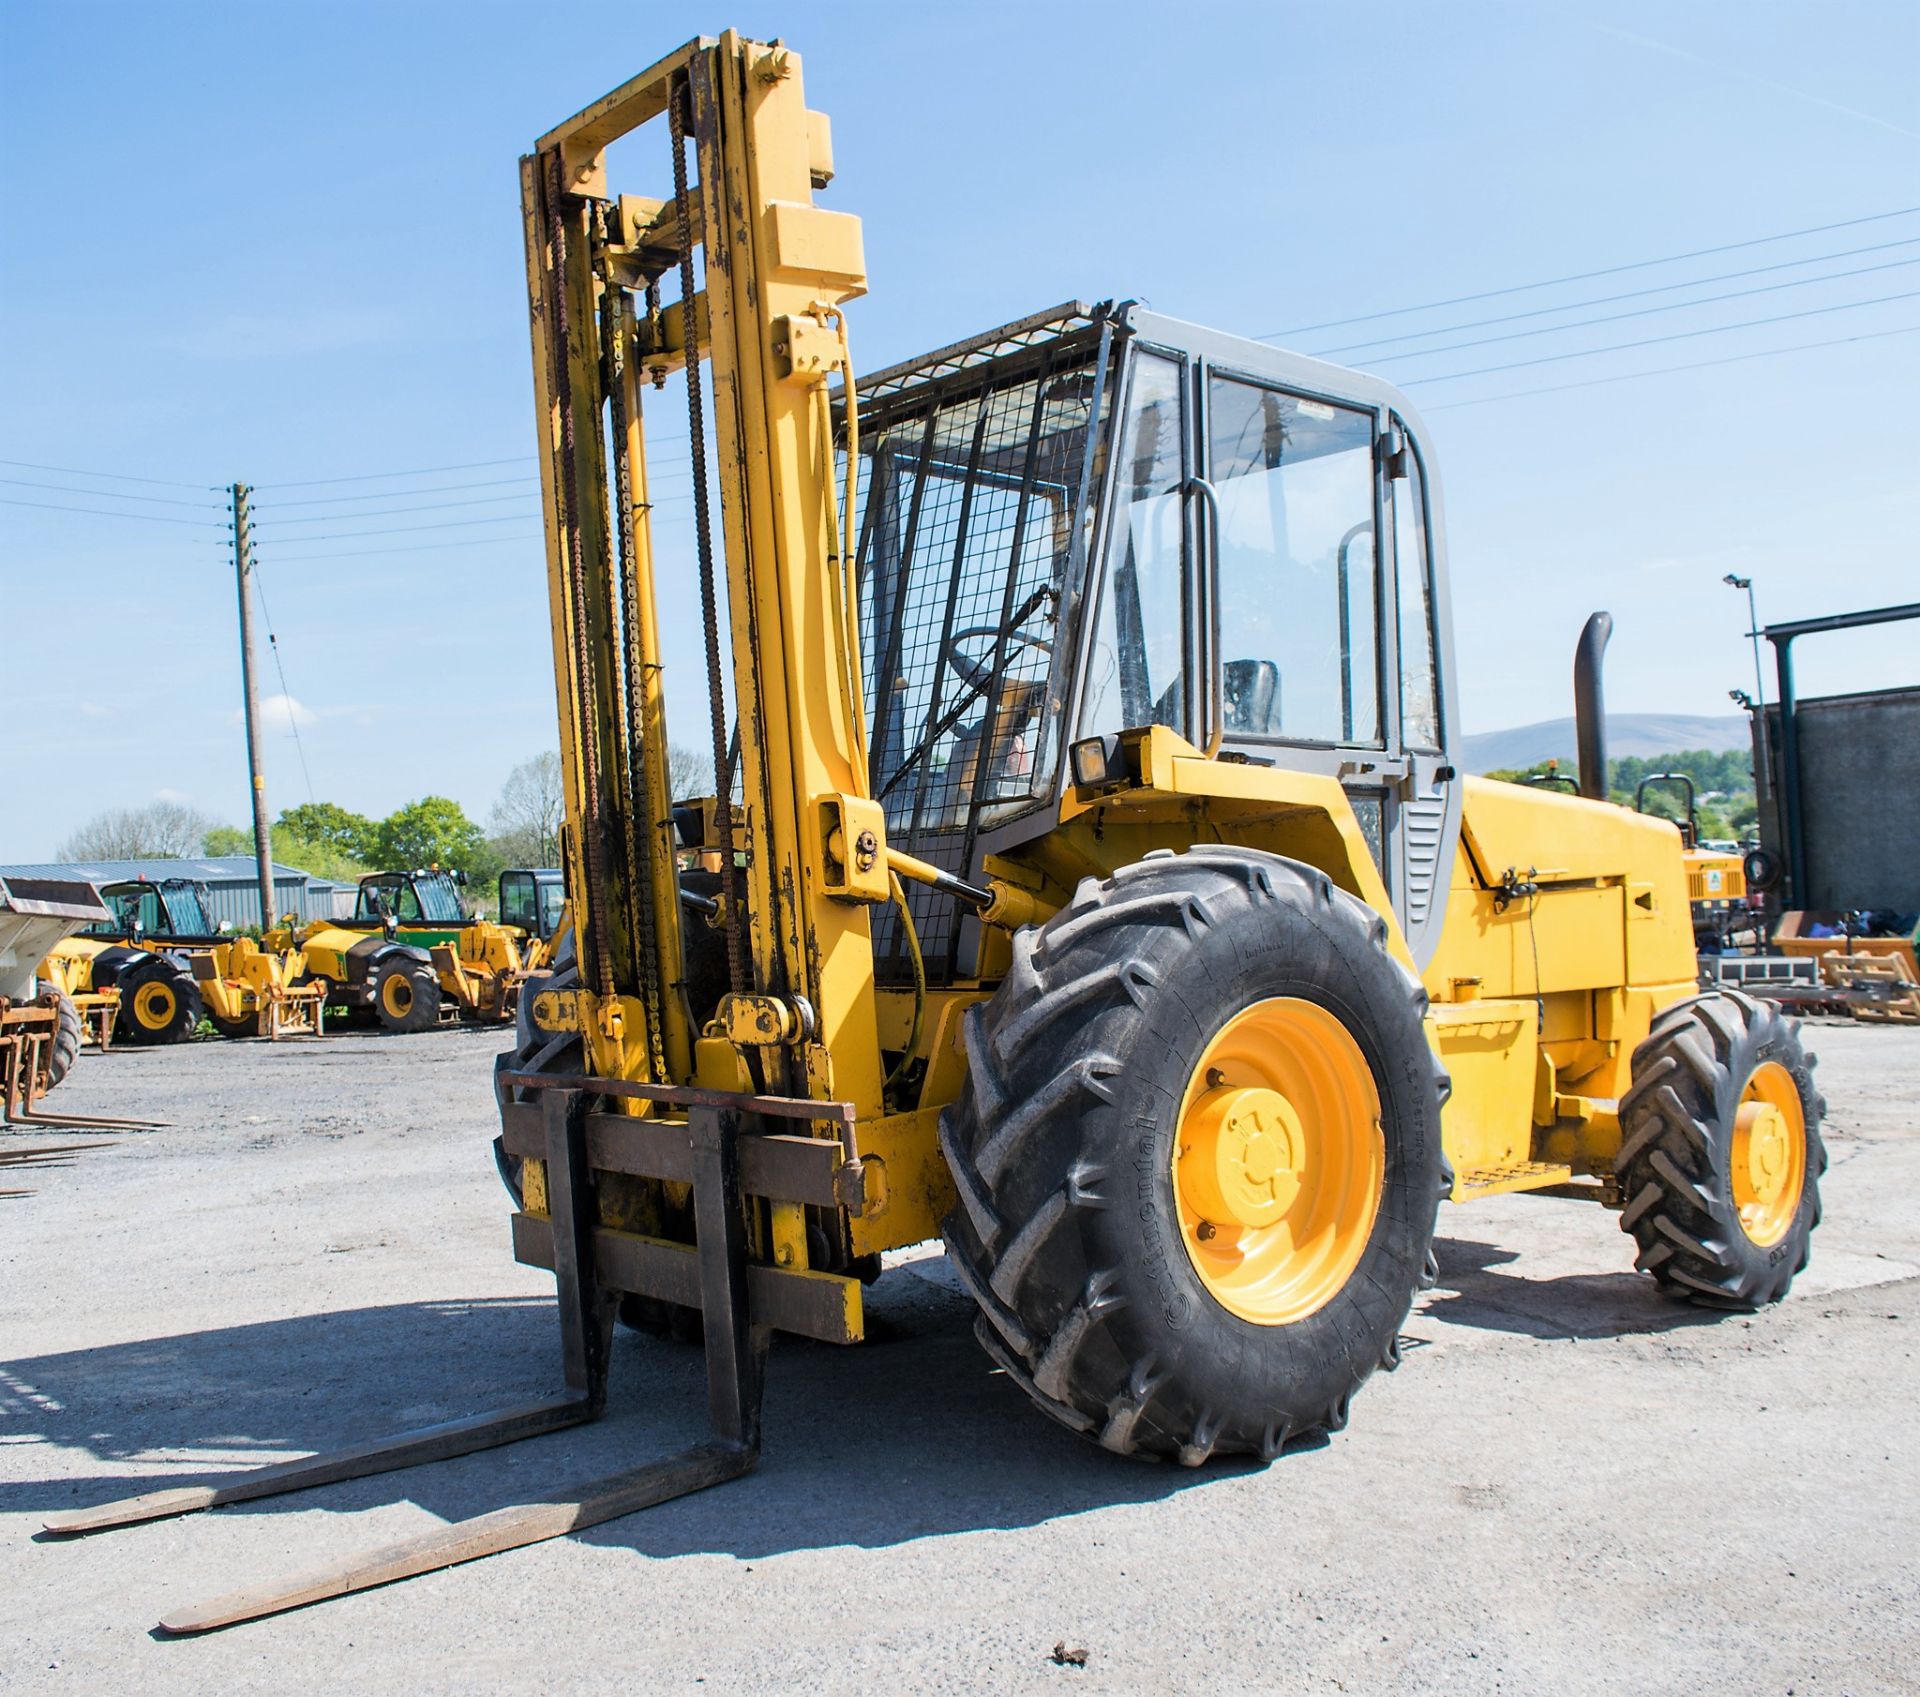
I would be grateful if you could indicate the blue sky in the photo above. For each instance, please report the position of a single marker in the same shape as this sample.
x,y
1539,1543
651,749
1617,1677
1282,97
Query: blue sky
x,y
280,243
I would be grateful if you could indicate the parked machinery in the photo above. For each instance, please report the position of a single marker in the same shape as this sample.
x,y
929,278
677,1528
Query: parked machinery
x,y
1112,904
141,950
167,962
483,969
1716,876
411,948
378,963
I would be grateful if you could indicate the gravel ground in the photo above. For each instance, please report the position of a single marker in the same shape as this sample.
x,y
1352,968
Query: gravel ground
x,y
1571,1486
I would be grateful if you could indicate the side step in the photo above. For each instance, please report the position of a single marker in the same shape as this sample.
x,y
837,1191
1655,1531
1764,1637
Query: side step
x,y
709,1144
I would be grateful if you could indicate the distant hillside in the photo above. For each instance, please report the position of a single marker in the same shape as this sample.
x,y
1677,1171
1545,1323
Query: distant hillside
x,y
1643,734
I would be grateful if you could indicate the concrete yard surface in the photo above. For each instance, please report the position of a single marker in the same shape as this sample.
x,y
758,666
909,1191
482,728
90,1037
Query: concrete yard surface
x,y
1570,1486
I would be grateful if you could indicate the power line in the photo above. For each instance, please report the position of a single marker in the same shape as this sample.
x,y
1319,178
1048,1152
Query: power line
x,y
1588,276
1654,341
1664,370
391,494
1608,300
403,529
413,548
1649,311
118,476
108,494
273,645
375,476
108,513
389,512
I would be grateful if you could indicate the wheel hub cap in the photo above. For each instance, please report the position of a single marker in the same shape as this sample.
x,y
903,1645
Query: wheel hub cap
x,y
1240,1156
1279,1161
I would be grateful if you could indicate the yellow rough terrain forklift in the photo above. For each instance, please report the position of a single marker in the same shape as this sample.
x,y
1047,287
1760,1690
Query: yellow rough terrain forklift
x,y
1103,895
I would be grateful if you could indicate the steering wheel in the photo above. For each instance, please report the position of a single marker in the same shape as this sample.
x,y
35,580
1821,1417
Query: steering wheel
x,y
977,674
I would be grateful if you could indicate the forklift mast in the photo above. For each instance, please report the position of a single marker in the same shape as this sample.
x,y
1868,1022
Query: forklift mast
x,y
764,316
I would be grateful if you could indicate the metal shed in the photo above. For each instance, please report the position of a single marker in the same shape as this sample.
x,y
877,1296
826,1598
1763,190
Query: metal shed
x,y
233,894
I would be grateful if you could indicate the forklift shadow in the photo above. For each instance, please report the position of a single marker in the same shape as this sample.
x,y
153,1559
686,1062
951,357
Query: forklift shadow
x,y
916,1434
1472,1292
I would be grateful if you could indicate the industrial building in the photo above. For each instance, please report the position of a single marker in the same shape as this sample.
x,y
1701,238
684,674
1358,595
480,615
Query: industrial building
x,y
232,881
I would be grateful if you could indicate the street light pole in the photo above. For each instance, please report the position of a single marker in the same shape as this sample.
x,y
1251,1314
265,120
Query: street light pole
x,y
1763,776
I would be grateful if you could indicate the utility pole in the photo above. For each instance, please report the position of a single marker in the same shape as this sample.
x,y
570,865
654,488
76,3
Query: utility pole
x,y
243,572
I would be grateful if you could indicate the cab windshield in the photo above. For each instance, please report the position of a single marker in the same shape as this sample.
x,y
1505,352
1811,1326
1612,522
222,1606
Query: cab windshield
x,y
173,909
531,902
432,899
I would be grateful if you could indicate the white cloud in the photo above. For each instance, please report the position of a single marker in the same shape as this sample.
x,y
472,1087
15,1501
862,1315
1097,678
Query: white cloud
x,y
279,714
95,710
179,798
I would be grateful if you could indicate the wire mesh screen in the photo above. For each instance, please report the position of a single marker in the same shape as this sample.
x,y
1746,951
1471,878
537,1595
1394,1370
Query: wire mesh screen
x,y
976,508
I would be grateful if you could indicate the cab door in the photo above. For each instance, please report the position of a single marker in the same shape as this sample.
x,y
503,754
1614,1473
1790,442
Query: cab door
x,y
1320,532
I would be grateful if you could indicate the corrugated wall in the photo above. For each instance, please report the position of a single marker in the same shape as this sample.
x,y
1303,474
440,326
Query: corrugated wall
x,y
238,905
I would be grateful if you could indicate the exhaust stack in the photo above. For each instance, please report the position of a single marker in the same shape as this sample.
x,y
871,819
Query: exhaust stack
x,y
1590,705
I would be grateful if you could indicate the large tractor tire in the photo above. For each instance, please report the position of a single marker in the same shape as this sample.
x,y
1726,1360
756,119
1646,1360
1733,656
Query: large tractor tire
x,y
406,995
66,1039
1721,1153
1198,1156
159,1003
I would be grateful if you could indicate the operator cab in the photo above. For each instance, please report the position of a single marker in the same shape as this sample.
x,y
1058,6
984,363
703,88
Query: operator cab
x,y
1100,519
411,898
166,907
532,898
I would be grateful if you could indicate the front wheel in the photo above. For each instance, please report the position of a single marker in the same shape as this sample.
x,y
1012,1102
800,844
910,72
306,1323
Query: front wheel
x,y
1198,1156
1721,1154
159,1003
406,995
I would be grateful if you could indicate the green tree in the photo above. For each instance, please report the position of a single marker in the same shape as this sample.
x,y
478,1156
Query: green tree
x,y
432,831
290,849
331,827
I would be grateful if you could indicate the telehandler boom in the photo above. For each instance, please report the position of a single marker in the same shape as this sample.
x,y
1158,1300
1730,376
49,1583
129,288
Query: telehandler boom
x,y
1098,888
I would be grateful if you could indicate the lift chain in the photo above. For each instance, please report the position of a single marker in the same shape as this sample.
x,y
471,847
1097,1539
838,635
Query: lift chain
x,y
590,934
703,529
639,839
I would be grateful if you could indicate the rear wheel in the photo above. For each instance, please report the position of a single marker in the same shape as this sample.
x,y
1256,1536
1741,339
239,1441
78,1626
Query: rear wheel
x,y
1721,1154
1198,1156
158,1003
406,995
247,1025
66,1039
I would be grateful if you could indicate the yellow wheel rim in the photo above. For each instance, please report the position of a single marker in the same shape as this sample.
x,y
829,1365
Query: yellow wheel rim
x,y
1279,1161
1769,1154
396,995
154,1006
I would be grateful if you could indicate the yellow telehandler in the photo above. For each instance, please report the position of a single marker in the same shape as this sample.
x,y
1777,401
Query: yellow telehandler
x,y
1099,890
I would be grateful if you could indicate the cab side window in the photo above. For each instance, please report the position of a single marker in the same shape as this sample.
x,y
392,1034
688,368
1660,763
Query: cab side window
x,y
1298,575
